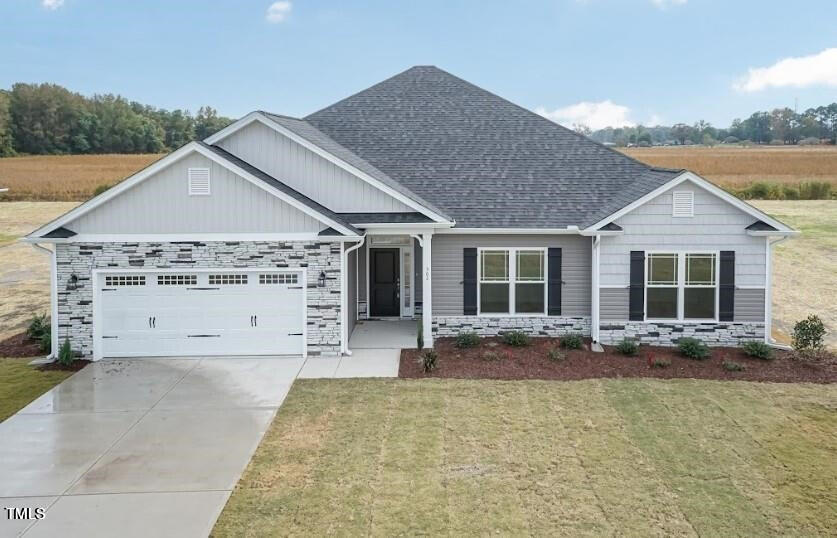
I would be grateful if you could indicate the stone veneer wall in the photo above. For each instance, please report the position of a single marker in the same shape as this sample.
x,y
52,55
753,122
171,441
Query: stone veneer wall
x,y
75,310
491,326
667,334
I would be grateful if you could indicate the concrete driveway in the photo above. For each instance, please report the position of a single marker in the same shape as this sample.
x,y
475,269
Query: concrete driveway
x,y
147,447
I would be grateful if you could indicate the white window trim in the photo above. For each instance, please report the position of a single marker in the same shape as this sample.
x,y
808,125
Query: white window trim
x,y
681,285
512,281
691,202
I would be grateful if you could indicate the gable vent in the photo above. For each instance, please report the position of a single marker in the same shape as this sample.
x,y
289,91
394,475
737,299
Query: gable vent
x,y
683,204
199,181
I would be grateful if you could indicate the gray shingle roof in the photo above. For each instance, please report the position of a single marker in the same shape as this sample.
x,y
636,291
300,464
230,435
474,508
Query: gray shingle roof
x,y
279,185
484,161
380,218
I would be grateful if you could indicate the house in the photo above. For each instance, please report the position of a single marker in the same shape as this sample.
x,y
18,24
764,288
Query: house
x,y
421,197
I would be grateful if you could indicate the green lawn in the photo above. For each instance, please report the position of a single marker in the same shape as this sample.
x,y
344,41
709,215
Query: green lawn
x,y
599,457
21,383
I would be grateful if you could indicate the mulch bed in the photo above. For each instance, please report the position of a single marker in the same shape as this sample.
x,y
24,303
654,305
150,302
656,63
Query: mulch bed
x,y
74,366
531,362
20,345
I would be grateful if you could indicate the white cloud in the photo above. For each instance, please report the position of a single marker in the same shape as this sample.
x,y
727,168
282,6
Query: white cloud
x,y
593,115
52,5
663,4
278,11
801,72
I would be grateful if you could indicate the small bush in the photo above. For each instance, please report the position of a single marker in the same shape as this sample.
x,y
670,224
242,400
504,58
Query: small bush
x,y
420,336
572,341
790,193
759,350
100,189
627,347
808,334
491,356
66,356
693,348
38,325
815,190
45,342
467,339
658,362
556,355
515,338
427,361
732,366
758,191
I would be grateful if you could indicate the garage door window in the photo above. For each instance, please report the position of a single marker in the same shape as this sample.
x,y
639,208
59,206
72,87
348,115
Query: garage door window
x,y
125,280
232,279
278,278
177,280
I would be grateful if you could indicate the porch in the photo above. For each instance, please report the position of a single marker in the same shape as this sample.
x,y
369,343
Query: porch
x,y
384,334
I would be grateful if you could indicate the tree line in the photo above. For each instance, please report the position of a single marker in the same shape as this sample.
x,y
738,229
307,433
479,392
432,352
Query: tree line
x,y
778,127
49,119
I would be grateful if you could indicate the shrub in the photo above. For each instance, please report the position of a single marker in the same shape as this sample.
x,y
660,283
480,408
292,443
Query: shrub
x,y
427,361
627,347
732,366
759,191
759,350
45,342
790,193
467,339
815,190
100,189
556,355
38,325
66,356
808,334
420,336
693,348
491,356
515,338
572,341
658,362
730,140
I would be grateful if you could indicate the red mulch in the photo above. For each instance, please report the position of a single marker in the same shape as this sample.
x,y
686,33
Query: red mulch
x,y
531,362
19,345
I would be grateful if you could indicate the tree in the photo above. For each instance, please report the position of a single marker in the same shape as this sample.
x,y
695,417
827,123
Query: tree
x,y
208,122
6,141
681,132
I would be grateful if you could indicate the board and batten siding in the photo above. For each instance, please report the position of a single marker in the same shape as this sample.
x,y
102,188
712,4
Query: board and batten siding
x,y
716,225
307,172
447,268
161,204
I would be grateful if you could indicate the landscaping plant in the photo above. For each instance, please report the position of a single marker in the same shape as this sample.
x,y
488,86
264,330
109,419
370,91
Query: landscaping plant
x,y
808,334
490,356
66,356
759,350
515,338
627,347
572,341
556,355
427,360
693,348
420,336
467,339
40,330
658,362
732,366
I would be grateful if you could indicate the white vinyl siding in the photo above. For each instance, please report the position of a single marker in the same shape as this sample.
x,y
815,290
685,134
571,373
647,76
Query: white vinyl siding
x,y
307,172
716,226
162,204
199,182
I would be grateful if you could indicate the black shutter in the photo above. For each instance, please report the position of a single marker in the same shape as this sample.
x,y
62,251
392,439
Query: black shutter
x,y
469,288
554,281
636,308
726,295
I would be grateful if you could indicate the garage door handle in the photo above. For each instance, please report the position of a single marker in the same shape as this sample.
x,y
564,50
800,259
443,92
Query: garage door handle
x,y
251,321
294,334
109,337
255,321
149,322
203,336
203,289
154,322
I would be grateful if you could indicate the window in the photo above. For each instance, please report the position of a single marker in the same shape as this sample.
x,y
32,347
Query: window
x,y
512,281
683,204
125,280
681,286
177,280
198,181
232,279
278,278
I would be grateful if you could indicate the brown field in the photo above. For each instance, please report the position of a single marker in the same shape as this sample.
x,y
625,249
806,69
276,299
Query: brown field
x,y
738,167
65,177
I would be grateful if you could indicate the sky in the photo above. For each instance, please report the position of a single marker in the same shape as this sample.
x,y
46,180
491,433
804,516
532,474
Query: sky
x,y
597,62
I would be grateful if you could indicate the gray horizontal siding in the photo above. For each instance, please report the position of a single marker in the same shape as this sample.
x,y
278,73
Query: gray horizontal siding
x,y
447,268
749,304
717,225
613,304
307,172
161,204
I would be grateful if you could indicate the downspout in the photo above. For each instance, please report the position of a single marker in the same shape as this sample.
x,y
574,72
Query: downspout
x,y
344,263
53,297
594,306
768,291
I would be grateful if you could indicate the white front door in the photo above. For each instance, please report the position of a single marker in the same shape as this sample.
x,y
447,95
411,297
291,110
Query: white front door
x,y
218,312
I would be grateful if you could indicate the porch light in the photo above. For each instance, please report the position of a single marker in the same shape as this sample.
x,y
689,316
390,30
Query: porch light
x,y
321,281
72,283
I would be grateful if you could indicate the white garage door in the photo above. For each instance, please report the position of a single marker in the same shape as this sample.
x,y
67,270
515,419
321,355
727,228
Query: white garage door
x,y
219,312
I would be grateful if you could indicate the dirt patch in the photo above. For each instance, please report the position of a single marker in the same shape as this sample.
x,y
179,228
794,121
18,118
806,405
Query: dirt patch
x,y
74,366
19,345
531,362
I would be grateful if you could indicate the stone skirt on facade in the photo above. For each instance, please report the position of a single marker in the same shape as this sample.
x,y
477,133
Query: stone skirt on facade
x,y
667,334
492,326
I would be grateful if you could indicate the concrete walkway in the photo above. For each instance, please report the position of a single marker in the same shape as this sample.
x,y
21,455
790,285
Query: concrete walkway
x,y
149,447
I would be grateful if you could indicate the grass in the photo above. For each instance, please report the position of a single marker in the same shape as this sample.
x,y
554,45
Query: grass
x,y
603,457
21,383
65,177
738,167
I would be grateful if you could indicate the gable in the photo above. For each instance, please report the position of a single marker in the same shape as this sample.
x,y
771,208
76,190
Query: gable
x,y
307,172
161,204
